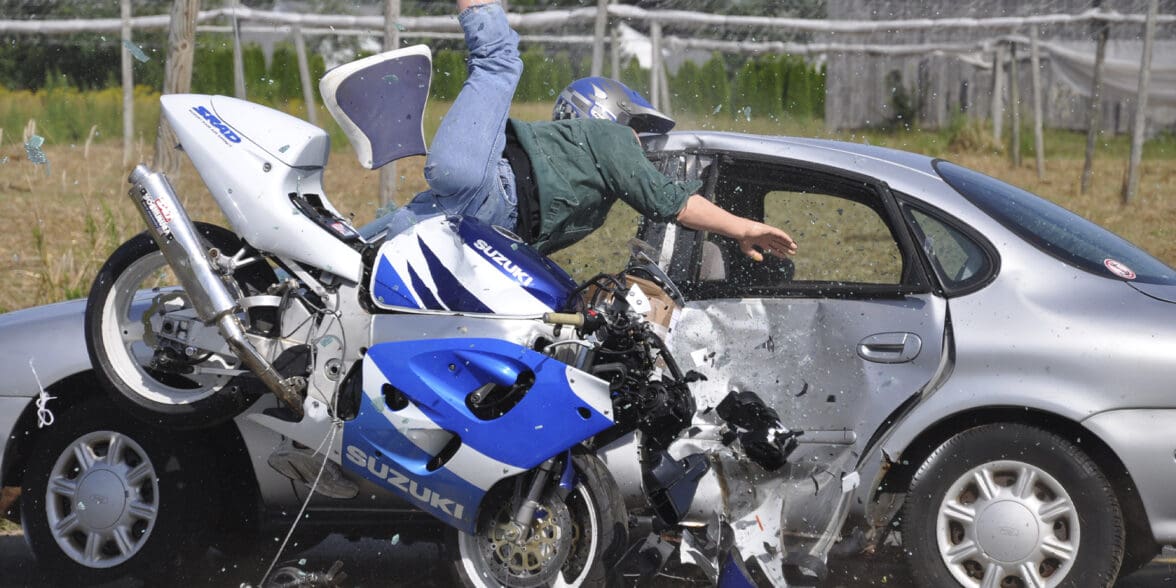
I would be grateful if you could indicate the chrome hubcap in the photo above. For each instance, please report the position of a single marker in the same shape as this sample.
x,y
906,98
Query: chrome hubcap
x,y
103,499
1007,524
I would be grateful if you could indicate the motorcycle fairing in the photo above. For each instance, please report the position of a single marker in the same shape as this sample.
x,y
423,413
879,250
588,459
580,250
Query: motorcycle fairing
x,y
379,101
429,265
392,442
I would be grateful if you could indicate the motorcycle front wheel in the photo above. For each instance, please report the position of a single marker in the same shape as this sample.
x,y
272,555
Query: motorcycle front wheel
x,y
593,517
137,316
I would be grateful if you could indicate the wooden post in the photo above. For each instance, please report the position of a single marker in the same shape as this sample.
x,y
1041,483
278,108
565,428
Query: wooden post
x,y
1131,185
1093,114
1015,103
304,75
238,57
655,63
1038,137
598,37
392,41
998,92
177,77
615,51
663,79
128,85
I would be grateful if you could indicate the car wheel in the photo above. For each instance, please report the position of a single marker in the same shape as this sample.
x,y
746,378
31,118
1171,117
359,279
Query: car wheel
x,y
106,497
1011,505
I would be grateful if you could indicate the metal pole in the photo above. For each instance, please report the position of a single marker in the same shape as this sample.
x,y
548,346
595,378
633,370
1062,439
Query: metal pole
x,y
598,39
304,76
1093,117
128,84
655,63
1131,186
238,57
1038,137
998,92
1015,103
391,41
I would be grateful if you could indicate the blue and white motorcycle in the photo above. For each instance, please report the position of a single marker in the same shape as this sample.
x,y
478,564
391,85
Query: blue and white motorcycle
x,y
449,363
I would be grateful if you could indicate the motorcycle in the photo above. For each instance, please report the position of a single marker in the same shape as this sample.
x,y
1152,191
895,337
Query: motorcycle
x,y
466,373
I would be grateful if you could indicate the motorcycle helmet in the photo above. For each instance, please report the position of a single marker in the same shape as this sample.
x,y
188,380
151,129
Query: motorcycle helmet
x,y
608,99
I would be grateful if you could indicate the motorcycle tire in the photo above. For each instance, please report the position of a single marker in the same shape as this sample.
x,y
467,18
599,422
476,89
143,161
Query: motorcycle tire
x,y
135,278
599,527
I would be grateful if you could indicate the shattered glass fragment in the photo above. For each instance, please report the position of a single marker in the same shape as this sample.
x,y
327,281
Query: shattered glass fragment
x,y
35,154
400,27
283,148
136,52
391,78
718,108
747,113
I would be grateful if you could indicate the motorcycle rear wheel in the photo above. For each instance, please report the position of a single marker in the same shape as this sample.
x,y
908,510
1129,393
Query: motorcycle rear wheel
x,y
136,280
599,529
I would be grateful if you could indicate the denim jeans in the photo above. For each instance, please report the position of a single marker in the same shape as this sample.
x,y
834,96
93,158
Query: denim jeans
x,y
465,169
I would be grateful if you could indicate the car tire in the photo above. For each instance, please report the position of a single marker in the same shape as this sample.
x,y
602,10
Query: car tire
x,y
1015,502
106,497
115,338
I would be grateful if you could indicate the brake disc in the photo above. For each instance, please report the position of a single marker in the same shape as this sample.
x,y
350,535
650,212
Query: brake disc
x,y
538,559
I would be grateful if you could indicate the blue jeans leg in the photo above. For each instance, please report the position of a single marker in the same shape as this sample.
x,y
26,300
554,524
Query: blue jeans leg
x,y
462,163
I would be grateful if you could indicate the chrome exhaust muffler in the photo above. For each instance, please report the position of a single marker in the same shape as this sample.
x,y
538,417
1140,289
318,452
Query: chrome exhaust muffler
x,y
173,231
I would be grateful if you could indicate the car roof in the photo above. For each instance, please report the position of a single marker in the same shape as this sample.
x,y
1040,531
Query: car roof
x,y
881,162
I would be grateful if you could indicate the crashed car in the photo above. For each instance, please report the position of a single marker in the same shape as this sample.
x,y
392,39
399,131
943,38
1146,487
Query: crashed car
x,y
978,373
963,368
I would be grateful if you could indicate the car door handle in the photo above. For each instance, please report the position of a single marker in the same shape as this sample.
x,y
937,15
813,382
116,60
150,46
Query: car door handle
x,y
890,347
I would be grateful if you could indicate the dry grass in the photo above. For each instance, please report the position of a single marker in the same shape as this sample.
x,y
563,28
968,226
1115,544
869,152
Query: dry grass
x,y
58,224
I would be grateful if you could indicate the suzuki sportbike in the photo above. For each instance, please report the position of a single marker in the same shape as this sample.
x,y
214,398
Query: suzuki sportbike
x,y
449,363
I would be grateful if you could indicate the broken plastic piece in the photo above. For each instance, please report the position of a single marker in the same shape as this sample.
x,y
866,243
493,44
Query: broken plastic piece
x,y
292,577
671,484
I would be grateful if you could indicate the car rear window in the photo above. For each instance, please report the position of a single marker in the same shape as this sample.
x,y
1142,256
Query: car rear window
x,y
1055,230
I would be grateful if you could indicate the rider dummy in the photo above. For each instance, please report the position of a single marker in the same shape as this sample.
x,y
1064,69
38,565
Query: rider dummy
x,y
554,182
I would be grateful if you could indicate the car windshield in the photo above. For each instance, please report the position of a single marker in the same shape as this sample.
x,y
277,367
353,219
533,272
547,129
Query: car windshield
x,y
1056,230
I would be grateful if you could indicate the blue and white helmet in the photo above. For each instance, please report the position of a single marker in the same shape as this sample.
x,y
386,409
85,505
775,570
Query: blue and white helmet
x,y
608,99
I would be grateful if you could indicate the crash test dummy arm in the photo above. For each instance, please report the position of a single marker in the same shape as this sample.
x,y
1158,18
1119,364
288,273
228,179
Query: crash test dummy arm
x,y
701,214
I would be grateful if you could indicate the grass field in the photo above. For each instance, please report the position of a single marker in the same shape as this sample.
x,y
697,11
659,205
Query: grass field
x,y
59,222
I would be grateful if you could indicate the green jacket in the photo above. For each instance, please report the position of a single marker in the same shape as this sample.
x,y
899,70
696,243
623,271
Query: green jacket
x,y
581,167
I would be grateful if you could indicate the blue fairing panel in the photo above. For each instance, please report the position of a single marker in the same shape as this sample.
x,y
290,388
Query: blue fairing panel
x,y
392,442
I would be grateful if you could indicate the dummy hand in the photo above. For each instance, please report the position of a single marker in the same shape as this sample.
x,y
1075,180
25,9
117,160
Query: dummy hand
x,y
766,237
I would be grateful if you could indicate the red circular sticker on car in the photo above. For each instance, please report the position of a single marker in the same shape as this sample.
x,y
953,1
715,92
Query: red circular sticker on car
x,y
1119,269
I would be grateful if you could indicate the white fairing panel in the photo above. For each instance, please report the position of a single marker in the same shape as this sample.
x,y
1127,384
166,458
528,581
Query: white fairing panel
x,y
431,267
252,158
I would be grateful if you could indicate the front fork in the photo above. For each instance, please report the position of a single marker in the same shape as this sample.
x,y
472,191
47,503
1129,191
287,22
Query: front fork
x,y
173,231
517,529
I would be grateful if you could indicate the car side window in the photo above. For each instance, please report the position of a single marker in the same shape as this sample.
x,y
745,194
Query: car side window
x,y
960,261
847,245
840,240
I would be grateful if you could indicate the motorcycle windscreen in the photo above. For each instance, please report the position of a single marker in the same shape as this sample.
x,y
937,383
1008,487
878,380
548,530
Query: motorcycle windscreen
x,y
421,435
379,101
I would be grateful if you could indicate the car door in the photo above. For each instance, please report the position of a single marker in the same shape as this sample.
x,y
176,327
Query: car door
x,y
839,338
